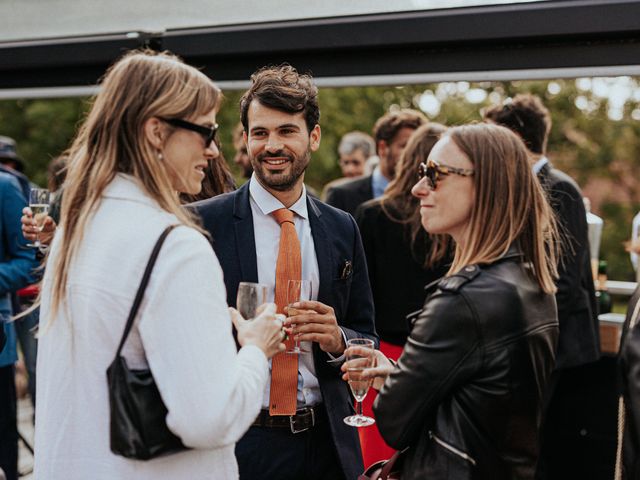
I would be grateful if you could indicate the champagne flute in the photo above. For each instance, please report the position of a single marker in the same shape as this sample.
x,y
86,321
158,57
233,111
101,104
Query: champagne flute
x,y
358,360
39,199
297,291
251,296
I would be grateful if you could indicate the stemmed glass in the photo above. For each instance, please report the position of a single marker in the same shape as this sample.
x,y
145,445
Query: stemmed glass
x,y
297,291
358,359
251,296
39,200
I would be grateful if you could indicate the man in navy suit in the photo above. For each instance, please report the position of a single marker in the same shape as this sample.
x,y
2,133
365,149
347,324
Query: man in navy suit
x,y
280,116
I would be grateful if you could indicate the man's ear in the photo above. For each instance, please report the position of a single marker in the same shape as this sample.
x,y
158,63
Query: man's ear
x,y
154,132
314,138
245,138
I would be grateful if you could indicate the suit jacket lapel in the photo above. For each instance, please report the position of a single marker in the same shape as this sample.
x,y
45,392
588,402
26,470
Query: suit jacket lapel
x,y
245,238
323,250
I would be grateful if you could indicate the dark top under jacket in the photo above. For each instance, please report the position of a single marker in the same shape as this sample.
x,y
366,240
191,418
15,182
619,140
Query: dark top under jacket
x,y
467,393
396,273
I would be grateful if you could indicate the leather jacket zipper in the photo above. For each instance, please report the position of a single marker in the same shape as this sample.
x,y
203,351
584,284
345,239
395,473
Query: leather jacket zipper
x,y
452,449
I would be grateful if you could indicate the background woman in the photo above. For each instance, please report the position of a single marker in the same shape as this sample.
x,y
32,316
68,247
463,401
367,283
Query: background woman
x,y
466,395
402,258
148,136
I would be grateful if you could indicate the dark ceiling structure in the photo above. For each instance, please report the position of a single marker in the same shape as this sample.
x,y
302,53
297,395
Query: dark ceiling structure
x,y
556,34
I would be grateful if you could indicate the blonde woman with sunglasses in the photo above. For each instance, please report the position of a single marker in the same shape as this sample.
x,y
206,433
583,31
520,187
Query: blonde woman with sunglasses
x,y
148,136
465,398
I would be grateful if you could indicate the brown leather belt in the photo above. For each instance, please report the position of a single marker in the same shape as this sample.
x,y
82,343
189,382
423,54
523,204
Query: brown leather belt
x,y
303,420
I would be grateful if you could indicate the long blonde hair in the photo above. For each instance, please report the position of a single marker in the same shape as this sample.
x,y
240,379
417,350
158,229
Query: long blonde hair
x,y
510,206
139,86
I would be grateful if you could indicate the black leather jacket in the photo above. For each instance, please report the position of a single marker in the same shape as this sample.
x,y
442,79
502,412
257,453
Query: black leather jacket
x,y
467,395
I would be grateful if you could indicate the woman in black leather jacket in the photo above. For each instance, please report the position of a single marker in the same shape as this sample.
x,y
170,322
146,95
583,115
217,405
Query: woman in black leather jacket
x,y
466,395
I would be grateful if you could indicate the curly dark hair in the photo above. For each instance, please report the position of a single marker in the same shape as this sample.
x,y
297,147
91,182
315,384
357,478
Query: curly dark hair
x,y
282,88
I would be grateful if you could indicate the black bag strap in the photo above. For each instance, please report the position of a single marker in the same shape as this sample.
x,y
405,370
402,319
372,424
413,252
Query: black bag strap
x,y
143,286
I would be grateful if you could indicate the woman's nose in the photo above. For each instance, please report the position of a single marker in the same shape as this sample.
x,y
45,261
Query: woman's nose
x,y
421,188
212,151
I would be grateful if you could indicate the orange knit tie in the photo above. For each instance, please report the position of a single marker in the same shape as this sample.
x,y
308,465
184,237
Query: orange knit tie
x,y
284,367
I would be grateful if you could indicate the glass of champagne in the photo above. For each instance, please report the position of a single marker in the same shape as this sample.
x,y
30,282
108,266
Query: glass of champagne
x,y
39,199
297,291
251,296
358,360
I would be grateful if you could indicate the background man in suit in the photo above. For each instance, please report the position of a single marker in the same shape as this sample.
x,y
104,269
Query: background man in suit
x,y
391,133
355,149
570,408
280,116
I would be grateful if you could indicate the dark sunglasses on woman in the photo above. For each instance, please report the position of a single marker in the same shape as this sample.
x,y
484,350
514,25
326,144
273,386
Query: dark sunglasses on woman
x,y
208,134
432,171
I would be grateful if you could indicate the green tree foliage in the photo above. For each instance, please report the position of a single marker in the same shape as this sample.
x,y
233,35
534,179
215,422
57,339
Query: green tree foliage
x,y
601,153
43,129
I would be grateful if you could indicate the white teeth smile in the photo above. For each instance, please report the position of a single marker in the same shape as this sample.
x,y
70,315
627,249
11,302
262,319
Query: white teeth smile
x,y
276,162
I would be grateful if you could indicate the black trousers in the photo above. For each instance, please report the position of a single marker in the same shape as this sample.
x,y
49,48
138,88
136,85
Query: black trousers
x,y
277,454
8,423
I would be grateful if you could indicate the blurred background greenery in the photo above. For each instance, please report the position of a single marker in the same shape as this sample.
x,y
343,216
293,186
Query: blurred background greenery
x,y
595,135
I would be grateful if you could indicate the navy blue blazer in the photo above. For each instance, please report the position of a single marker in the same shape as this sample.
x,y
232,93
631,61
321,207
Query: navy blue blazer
x,y
336,238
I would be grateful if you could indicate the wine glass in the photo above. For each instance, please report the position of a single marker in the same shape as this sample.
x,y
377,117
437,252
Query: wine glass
x,y
358,360
39,199
251,296
297,291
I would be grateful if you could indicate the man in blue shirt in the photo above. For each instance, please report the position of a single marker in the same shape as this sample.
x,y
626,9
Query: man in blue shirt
x,y
17,262
391,132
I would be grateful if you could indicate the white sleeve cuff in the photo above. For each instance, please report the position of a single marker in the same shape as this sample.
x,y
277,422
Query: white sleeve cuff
x,y
338,360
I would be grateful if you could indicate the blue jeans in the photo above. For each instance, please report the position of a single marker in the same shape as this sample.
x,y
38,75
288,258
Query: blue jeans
x,y
29,346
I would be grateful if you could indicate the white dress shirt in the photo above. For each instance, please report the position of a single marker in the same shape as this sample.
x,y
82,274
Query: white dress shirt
x,y
542,161
182,333
267,239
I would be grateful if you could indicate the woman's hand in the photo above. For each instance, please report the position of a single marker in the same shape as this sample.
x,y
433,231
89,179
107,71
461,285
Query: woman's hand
x,y
266,331
30,228
379,372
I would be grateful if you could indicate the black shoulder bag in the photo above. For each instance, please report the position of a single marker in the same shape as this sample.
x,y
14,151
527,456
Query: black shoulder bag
x,y
138,427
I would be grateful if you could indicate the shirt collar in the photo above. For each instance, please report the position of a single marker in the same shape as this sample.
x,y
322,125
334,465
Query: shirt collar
x,y
267,203
378,182
540,164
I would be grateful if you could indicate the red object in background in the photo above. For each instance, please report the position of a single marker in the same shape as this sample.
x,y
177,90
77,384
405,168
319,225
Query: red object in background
x,y
29,292
373,446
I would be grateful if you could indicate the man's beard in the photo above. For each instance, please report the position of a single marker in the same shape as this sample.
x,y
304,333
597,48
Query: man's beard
x,y
279,181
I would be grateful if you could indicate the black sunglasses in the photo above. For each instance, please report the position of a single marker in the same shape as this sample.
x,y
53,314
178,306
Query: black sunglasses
x,y
208,134
432,171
